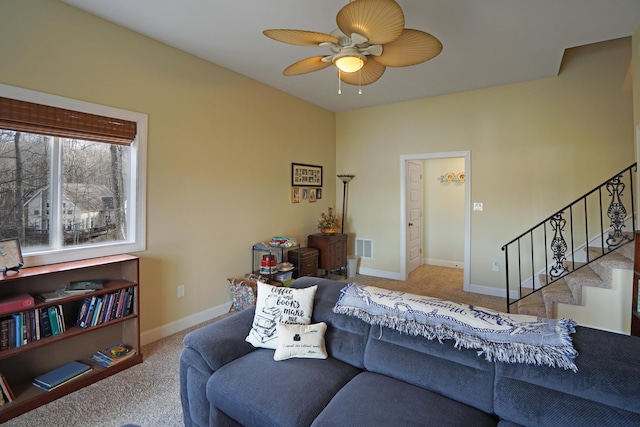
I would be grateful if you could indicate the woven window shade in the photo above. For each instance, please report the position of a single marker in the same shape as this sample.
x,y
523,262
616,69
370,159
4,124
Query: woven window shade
x,y
42,119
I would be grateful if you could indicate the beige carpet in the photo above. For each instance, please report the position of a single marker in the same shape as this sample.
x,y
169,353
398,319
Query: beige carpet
x,y
439,282
148,394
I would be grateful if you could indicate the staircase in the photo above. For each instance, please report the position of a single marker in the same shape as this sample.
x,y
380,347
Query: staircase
x,y
569,288
553,261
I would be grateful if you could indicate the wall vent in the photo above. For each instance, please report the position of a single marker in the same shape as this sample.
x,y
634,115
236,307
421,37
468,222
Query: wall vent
x,y
364,248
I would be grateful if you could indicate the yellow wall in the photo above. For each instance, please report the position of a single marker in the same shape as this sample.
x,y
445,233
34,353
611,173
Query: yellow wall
x,y
444,213
220,146
534,146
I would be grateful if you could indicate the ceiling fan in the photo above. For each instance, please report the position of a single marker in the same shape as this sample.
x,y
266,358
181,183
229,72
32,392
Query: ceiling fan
x,y
370,37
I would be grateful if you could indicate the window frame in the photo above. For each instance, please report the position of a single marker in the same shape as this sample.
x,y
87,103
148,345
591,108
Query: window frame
x,y
136,238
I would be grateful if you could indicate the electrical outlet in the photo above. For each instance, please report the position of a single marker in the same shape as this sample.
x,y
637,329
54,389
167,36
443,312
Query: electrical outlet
x,y
496,266
477,206
180,291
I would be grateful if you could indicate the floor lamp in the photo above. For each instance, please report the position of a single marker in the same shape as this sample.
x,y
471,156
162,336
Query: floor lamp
x,y
345,180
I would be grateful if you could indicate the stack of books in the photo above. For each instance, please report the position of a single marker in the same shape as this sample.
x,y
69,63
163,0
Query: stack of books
x,y
113,355
61,375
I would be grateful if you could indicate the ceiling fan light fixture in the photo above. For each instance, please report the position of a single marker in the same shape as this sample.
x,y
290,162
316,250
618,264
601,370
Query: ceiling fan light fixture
x,y
349,62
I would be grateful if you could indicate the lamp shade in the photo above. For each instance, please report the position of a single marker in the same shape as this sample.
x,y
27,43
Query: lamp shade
x,y
349,64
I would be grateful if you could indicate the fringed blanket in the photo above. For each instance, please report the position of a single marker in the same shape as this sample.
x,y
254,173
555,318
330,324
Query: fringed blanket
x,y
499,336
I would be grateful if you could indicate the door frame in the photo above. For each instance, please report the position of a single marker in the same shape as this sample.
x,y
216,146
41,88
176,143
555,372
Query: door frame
x,y
467,204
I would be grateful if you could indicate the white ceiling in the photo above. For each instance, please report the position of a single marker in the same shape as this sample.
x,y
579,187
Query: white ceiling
x,y
486,42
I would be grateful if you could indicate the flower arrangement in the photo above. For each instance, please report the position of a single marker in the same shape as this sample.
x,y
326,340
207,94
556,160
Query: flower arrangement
x,y
329,222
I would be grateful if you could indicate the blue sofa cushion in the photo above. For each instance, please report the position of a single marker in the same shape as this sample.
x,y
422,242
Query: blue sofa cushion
x,y
346,336
222,341
377,400
606,386
258,391
459,374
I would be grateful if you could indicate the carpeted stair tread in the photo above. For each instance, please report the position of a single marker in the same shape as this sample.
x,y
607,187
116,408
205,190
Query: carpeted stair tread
x,y
532,305
583,277
556,292
604,266
627,250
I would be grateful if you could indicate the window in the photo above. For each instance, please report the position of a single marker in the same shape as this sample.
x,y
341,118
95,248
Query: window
x,y
87,161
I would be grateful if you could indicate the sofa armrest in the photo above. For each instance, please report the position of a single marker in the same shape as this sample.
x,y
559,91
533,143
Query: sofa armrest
x,y
223,341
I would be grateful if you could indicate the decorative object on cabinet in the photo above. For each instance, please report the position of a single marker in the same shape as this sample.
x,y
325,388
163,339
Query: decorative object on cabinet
x,y
10,255
306,175
44,352
332,251
329,222
345,181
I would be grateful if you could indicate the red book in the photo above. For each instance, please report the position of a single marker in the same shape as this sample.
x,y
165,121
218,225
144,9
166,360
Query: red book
x,y
14,303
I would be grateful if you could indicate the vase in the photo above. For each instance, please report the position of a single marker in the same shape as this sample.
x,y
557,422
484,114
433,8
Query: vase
x,y
329,231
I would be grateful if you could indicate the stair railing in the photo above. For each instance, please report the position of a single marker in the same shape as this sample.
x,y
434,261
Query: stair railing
x,y
543,250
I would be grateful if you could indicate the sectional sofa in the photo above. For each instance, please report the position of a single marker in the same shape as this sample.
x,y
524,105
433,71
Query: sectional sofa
x,y
376,376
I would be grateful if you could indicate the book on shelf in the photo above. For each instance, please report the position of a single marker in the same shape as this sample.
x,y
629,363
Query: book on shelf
x,y
59,294
113,355
85,285
6,390
45,325
61,375
16,302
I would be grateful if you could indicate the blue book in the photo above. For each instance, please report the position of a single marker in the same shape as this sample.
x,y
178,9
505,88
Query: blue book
x,y
61,374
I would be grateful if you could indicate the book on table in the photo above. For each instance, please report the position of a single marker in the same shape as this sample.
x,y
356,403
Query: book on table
x,y
61,375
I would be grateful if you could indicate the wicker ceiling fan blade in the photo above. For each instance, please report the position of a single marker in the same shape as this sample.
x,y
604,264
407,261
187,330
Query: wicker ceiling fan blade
x,y
381,21
307,65
300,37
411,48
368,74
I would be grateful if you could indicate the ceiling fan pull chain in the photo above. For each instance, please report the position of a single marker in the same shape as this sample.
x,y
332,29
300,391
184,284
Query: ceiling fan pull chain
x,y
339,84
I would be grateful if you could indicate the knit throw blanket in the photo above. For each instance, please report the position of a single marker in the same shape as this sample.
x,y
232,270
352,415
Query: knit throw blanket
x,y
499,336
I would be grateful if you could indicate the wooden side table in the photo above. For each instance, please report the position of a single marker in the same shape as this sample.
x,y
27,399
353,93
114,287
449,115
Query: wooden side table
x,y
332,250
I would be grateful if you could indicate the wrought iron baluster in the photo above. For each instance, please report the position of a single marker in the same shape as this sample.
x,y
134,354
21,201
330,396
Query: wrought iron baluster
x,y
558,245
616,212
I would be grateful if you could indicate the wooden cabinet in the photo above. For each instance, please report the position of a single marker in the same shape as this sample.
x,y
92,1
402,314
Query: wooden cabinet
x,y
635,306
332,250
20,365
305,260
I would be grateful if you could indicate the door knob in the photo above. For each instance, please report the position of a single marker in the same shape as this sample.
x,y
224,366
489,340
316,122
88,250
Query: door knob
x,y
410,224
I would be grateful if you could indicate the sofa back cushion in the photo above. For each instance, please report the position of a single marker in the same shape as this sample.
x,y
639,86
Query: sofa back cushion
x,y
459,374
604,391
346,336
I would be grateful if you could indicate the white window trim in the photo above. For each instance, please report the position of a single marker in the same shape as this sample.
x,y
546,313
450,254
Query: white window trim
x,y
138,184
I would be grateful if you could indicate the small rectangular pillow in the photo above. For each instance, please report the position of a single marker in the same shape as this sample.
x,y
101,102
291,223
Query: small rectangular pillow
x,y
279,305
303,341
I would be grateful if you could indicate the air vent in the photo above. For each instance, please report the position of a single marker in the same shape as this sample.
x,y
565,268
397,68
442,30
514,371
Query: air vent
x,y
364,248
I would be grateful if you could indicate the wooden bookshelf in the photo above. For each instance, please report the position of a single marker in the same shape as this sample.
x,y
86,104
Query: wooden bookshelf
x,y
21,364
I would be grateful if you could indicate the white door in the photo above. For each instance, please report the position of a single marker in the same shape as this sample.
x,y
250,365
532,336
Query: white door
x,y
413,224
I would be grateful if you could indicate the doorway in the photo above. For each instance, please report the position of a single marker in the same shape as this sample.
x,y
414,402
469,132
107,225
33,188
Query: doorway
x,y
408,215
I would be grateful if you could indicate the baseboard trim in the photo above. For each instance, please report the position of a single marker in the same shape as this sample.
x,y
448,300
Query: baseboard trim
x,y
444,263
379,273
163,331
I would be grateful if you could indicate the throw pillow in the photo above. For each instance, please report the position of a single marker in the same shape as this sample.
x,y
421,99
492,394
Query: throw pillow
x,y
279,305
304,341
